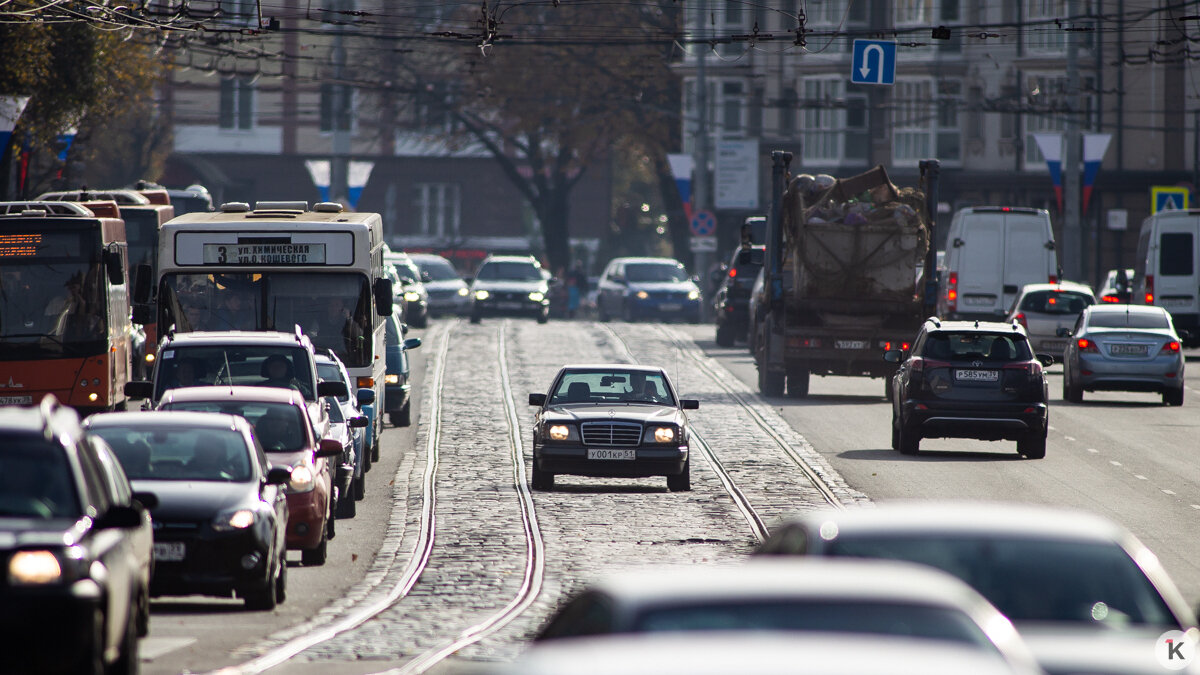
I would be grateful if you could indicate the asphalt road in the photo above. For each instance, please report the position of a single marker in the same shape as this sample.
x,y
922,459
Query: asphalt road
x,y
1123,455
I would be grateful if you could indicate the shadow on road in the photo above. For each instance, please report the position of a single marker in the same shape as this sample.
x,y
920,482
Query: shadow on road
x,y
889,455
193,605
608,489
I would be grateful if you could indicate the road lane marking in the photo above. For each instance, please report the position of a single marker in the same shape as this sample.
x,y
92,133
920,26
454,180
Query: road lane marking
x,y
1093,450
1114,462
1139,476
1069,438
1166,491
151,648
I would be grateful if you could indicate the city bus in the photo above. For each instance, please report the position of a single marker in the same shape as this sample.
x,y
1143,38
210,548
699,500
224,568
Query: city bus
x,y
64,313
275,267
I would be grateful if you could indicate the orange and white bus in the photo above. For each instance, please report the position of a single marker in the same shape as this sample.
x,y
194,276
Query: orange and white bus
x,y
64,315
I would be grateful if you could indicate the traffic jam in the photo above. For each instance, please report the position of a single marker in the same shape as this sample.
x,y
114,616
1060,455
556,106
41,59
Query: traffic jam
x,y
231,419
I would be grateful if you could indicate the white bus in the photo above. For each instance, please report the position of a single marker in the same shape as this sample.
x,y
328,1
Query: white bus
x,y
276,267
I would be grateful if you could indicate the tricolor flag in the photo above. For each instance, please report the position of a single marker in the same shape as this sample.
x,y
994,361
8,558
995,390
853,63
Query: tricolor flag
x,y
1052,150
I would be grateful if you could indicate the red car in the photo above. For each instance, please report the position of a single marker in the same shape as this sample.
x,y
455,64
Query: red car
x,y
282,427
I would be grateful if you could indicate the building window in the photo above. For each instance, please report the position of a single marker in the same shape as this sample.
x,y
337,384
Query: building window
x,y
833,123
831,16
337,107
926,125
1048,93
236,104
912,11
735,14
239,13
1045,37
732,101
438,209
787,113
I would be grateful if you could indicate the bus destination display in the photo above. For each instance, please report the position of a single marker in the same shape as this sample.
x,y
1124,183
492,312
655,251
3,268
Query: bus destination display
x,y
264,254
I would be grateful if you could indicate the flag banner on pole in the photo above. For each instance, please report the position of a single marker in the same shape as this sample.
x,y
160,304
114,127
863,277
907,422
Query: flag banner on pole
x,y
1051,147
681,169
1094,147
320,170
356,180
11,108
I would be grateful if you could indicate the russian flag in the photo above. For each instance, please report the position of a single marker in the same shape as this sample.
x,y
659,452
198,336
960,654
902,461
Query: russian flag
x,y
1052,150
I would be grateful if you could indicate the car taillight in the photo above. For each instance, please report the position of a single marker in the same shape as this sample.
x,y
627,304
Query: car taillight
x,y
1020,318
732,272
952,291
889,346
1149,289
1054,278
917,365
1031,368
1110,298
1171,347
1086,345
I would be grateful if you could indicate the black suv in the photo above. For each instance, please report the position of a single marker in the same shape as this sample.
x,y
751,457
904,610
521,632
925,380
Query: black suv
x,y
75,548
970,379
732,301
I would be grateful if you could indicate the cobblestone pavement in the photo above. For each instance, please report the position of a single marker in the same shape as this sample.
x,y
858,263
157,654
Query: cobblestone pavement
x,y
591,526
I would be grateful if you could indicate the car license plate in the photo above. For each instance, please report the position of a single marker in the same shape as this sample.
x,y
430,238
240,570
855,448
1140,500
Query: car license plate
x,y
670,307
16,400
977,375
1176,303
508,305
169,551
1054,346
978,299
1127,350
606,453
850,344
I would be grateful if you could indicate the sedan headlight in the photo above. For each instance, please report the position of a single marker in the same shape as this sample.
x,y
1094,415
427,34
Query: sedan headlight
x,y
693,294
560,432
303,479
642,295
481,295
664,434
464,292
391,378
412,296
34,568
536,296
239,519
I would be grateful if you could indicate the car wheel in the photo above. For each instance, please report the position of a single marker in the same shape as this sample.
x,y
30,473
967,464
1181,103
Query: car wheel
x,y
770,383
143,613
281,581
366,459
127,660
1173,396
360,488
601,313
627,313
543,316
1072,392
724,336
908,441
475,317
424,322
315,556
331,517
797,383
1032,446
887,388
264,599
347,507
683,481
895,436
375,448
542,480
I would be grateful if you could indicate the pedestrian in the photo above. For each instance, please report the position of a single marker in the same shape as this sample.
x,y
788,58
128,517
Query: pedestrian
x,y
577,288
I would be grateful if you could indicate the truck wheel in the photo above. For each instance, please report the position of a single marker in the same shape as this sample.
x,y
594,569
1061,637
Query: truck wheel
x,y
770,383
797,383
724,336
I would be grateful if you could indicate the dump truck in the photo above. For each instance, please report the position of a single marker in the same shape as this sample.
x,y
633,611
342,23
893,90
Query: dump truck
x,y
850,272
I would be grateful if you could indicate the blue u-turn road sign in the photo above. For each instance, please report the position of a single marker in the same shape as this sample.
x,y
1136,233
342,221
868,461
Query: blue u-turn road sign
x,y
874,62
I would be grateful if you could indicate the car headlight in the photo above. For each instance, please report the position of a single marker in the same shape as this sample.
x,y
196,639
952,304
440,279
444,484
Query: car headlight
x,y
149,358
464,292
391,378
412,296
642,295
34,568
693,294
664,434
536,296
560,432
481,295
239,519
303,479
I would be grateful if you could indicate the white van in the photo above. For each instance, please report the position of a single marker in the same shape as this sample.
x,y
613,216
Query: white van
x,y
1165,272
991,252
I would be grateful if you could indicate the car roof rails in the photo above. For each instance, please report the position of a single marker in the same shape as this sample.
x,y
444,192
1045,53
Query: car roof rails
x,y
937,323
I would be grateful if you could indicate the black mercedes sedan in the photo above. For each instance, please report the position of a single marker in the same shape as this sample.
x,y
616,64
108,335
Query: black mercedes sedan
x,y
221,519
619,421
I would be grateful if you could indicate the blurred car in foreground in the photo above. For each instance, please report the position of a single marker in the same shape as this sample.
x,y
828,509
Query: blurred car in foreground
x,y
611,421
1117,287
757,653
448,293
1042,309
221,519
879,598
75,544
1124,348
416,296
397,399
1068,580
348,424
647,288
284,431
352,483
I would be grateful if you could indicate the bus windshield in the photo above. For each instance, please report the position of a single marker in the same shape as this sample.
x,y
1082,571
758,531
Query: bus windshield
x,y
52,293
333,309
141,233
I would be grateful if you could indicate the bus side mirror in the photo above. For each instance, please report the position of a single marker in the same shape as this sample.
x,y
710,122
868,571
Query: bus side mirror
x,y
143,315
143,284
114,266
139,389
383,297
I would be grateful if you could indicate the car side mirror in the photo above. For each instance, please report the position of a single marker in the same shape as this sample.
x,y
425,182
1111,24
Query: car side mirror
x,y
1046,360
751,256
330,448
334,388
119,517
893,355
412,343
426,277
404,329
278,475
358,421
689,404
148,500
366,396
139,389
537,399
1063,332
384,298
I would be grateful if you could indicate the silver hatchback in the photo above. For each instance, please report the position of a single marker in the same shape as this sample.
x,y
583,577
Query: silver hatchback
x,y
1044,308
1123,348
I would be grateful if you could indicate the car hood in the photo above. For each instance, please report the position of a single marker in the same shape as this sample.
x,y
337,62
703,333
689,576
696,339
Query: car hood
x,y
588,412
194,500
509,286
1095,650
49,532
662,286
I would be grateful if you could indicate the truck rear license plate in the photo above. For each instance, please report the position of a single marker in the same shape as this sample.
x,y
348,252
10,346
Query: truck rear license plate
x,y
979,299
850,344
607,453
977,375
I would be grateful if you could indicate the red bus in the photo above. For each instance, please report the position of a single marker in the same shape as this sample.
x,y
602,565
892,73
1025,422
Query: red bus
x,y
64,315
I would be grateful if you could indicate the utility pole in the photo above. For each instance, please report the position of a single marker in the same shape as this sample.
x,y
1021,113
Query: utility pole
x,y
339,166
1075,244
700,195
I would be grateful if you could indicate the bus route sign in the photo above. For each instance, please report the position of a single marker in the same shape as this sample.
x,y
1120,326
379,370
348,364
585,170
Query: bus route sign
x,y
264,254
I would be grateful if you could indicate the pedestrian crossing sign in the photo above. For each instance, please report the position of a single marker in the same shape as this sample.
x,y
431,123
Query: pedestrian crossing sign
x,y
1168,198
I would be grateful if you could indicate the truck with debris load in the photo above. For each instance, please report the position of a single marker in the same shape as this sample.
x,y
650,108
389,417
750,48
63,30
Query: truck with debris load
x,y
850,272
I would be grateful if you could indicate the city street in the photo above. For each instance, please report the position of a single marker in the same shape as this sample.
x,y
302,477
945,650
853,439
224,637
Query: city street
x,y
443,570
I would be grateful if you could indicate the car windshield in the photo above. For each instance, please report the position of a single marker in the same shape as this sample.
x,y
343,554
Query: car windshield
x,y
509,271
179,453
35,479
824,615
612,386
438,269
643,272
946,346
336,415
406,271
1034,580
257,365
279,427
1055,302
1128,320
